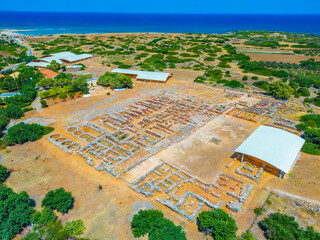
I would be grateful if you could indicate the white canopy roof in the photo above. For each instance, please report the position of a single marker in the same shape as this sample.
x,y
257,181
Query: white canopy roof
x,y
142,75
277,147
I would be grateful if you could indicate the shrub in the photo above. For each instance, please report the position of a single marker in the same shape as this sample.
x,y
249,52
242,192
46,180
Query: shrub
x,y
43,103
27,109
75,228
234,84
59,200
255,78
245,78
258,211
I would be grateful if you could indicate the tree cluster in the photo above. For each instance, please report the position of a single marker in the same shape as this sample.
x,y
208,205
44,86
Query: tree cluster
x,y
24,132
115,80
280,226
59,200
15,212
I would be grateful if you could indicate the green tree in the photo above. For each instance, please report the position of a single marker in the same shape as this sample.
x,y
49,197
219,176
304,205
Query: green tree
x,y
3,173
63,95
59,200
245,78
157,227
75,228
15,212
44,217
217,223
280,90
54,66
14,112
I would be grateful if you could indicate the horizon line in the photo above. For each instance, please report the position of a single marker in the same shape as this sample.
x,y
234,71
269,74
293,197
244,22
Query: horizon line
x,y
187,13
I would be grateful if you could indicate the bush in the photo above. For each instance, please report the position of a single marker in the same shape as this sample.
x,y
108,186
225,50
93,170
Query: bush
x,y
218,224
258,211
22,132
153,223
303,91
3,173
44,217
43,103
234,84
27,109
59,200
245,78
255,78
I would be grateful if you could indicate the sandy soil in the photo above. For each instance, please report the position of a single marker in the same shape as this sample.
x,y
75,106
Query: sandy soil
x,y
279,57
202,158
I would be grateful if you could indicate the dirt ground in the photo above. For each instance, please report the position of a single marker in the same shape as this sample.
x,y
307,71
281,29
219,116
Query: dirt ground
x,y
202,158
40,166
279,57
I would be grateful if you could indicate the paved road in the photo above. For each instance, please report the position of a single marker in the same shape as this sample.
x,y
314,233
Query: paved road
x,y
29,52
10,68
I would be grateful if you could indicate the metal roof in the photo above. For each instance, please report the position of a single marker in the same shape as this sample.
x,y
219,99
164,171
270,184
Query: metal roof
x,y
142,75
274,146
10,94
38,64
58,57
69,56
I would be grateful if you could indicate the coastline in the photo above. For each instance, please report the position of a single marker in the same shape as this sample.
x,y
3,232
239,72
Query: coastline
x,y
97,23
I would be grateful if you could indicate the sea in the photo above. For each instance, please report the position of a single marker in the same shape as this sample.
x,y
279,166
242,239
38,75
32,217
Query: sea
x,y
40,23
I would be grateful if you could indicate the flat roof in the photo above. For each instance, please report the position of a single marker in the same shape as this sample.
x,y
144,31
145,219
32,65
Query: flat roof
x,y
155,76
274,146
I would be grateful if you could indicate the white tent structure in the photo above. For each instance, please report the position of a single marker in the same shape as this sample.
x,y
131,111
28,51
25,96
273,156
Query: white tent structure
x,y
61,57
274,146
144,75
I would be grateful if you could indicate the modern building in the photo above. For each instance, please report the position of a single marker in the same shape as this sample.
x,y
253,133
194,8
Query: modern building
x,y
47,73
92,82
62,57
276,149
144,75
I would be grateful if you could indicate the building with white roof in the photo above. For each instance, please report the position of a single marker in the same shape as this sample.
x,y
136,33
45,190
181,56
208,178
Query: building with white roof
x,y
144,75
62,57
276,149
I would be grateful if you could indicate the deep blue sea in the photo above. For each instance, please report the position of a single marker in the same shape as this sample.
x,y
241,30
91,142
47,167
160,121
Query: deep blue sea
x,y
39,23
